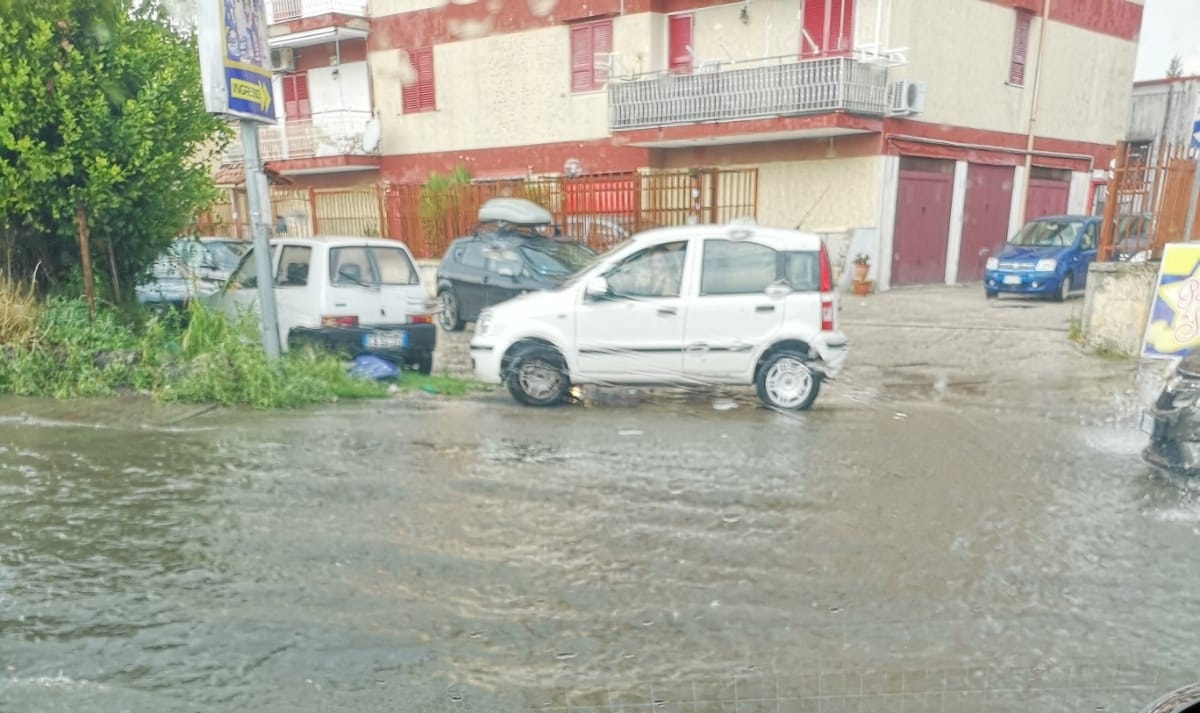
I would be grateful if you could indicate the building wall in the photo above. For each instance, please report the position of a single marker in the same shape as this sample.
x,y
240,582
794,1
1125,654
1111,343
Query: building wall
x,y
940,34
1149,109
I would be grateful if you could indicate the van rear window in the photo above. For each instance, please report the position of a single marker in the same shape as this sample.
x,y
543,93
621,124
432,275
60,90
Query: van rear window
x,y
371,265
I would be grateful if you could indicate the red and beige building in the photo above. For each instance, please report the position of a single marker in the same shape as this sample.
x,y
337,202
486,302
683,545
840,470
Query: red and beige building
x,y
933,127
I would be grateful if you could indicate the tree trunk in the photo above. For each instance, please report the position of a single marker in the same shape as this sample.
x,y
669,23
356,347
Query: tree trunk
x,y
85,260
112,266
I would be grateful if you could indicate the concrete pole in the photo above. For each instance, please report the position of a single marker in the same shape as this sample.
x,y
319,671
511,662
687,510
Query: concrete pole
x,y
1033,111
258,201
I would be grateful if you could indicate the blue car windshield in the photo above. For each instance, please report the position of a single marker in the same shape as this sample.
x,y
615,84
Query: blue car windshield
x,y
1047,233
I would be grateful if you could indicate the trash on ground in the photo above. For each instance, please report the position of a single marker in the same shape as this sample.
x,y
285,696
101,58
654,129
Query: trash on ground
x,y
369,366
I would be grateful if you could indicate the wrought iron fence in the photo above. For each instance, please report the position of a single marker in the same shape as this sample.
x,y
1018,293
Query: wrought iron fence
x,y
332,133
285,10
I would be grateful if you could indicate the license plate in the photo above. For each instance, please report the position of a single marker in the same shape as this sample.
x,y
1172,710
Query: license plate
x,y
1012,279
385,340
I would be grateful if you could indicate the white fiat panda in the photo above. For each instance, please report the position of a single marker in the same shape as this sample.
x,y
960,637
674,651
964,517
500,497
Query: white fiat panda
x,y
692,305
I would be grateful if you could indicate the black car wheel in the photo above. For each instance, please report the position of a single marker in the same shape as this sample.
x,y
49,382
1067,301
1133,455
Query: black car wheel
x,y
448,313
425,364
538,377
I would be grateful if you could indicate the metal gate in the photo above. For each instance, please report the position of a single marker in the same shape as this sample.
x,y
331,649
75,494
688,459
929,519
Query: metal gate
x,y
985,217
922,221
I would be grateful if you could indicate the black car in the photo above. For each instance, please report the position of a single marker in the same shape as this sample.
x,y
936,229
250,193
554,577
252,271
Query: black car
x,y
491,267
1174,423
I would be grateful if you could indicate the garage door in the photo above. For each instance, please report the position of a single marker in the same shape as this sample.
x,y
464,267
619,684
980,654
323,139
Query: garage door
x,y
922,221
1048,189
985,217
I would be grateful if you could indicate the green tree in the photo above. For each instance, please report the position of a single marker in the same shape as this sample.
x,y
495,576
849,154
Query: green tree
x,y
101,109
1175,68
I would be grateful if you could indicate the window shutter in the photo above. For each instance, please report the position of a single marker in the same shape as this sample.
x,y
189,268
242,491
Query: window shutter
x,y
814,38
841,27
601,49
1020,48
425,86
295,96
420,94
582,58
303,105
679,41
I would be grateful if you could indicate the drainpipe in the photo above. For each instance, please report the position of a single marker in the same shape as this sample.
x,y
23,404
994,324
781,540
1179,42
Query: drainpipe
x,y
1033,112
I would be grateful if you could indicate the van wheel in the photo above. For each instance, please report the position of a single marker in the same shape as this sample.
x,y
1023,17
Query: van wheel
x,y
448,315
786,382
425,365
538,377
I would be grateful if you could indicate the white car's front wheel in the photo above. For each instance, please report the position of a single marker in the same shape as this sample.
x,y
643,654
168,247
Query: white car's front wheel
x,y
787,382
538,377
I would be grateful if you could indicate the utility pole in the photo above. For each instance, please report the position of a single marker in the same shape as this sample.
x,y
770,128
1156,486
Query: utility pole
x,y
257,197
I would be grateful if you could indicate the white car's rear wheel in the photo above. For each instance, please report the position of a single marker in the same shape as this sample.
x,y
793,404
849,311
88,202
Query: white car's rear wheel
x,y
787,382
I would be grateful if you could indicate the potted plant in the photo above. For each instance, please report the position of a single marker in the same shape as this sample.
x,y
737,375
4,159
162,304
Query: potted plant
x,y
862,264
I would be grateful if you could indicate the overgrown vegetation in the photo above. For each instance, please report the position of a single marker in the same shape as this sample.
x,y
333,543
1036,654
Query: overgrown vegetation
x,y
103,134
207,360
439,203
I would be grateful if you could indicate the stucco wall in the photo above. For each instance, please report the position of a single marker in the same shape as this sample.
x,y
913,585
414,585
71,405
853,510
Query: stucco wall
x,y
1115,307
831,195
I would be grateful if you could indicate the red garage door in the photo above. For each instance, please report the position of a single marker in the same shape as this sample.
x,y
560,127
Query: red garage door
x,y
985,217
922,221
1048,189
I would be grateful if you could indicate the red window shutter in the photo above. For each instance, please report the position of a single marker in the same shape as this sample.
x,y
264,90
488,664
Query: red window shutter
x,y
679,44
815,36
295,96
1020,48
582,58
601,45
841,27
419,95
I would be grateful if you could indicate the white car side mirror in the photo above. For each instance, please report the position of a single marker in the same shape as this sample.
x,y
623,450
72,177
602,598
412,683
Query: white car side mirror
x,y
597,288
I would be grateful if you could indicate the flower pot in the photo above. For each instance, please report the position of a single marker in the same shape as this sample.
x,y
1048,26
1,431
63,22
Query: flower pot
x,y
860,271
862,287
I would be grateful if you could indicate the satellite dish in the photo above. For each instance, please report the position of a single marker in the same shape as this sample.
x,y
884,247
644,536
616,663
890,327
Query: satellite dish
x,y
371,134
573,168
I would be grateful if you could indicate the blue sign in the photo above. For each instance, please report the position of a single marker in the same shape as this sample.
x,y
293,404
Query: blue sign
x,y
247,58
235,59
1196,134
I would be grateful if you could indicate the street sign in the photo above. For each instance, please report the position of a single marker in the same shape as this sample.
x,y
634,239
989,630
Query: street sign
x,y
235,60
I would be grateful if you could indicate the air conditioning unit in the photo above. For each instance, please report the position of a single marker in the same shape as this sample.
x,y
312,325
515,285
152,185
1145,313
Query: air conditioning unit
x,y
907,97
283,59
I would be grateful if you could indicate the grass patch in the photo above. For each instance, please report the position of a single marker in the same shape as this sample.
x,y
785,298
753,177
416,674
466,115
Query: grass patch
x,y
443,384
1075,330
203,358
19,312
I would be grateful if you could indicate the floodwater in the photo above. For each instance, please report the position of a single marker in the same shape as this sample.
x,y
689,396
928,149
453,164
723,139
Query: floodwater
x,y
897,548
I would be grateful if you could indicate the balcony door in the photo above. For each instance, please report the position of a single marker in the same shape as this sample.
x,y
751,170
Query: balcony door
x,y
298,114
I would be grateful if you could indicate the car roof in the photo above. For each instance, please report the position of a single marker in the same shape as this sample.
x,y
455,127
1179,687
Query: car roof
x,y
1065,218
337,240
782,237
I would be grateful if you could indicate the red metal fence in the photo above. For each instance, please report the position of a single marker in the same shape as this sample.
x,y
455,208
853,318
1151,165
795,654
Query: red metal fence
x,y
598,209
1146,202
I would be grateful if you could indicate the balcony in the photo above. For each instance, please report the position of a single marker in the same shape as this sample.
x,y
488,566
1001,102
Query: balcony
x,y
330,141
288,10
776,87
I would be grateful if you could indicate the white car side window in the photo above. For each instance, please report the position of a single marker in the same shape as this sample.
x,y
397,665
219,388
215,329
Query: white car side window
x,y
654,272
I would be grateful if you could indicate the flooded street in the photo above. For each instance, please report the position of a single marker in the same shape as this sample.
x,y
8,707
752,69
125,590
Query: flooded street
x,y
905,545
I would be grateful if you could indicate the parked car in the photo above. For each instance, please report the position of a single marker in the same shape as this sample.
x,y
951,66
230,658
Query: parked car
x,y
504,258
1048,256
190,268
350,294
735,304
1174,420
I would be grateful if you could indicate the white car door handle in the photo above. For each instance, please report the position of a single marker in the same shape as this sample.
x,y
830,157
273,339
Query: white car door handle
x,y
667,311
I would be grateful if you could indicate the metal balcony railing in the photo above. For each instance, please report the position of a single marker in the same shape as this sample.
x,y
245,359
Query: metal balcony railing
x,y
778,86
287,10
336,133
